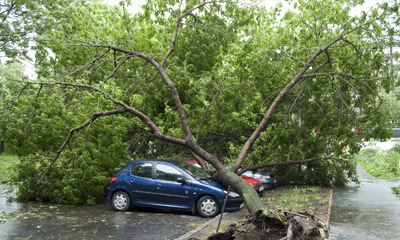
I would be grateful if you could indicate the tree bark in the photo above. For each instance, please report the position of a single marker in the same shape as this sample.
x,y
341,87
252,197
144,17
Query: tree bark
x,y
251,199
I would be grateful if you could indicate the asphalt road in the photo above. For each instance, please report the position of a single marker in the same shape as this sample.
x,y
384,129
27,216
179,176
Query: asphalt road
x,y
368,211
51,221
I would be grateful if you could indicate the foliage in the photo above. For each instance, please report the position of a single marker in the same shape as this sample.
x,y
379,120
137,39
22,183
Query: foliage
x,y
98,151
229,64
19,20
382,164
396,190
7,162
391,105
8,91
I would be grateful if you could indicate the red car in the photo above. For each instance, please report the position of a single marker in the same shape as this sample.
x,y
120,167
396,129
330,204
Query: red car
x,y
252,181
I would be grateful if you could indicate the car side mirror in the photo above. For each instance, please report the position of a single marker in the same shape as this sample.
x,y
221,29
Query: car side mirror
x,y
181,180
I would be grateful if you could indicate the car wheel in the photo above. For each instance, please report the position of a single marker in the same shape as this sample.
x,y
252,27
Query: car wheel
x,y
207,206
121,201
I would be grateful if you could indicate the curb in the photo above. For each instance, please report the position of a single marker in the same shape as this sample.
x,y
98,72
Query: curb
x,y
329,207
199,228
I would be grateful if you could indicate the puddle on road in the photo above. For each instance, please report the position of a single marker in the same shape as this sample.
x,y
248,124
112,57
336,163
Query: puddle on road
x,y
366,211
345,214
34,220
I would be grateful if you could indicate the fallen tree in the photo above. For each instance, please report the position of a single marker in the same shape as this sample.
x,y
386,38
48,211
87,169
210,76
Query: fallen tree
x,y
317,58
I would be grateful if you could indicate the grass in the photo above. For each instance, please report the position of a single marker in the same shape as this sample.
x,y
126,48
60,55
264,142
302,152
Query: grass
x,y
314,200
195,224
396,190
6,161
382,164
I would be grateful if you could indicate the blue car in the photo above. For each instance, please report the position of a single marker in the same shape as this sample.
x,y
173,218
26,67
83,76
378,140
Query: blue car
x,y
169,184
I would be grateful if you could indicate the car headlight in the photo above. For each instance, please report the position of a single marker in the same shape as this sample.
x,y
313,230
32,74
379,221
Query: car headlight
x,y
232,194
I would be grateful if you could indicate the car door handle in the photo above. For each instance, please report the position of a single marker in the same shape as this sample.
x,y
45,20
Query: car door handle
x,y
130,182
158,186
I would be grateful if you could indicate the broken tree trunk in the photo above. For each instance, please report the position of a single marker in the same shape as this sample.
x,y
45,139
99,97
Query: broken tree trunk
x,y
283,225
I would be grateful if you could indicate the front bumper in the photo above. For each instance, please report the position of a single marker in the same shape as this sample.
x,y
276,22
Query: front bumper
x,y
268,183
259,189
233,204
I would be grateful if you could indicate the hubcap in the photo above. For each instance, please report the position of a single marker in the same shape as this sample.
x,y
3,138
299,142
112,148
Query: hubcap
x,y
208,207
120,201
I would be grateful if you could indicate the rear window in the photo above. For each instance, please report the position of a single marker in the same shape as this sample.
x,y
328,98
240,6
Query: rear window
x,y
142,170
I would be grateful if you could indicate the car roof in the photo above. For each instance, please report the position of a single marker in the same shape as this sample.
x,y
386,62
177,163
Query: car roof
x,y
157,161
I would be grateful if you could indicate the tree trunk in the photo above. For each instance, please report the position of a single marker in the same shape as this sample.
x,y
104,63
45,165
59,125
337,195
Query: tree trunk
x,y
251,199
1,147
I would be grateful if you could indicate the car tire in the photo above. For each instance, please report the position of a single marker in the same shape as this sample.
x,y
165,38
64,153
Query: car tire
x,y
121,201
207,206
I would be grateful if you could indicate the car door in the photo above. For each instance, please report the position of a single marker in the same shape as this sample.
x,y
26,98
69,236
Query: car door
x,y
172,193
141,184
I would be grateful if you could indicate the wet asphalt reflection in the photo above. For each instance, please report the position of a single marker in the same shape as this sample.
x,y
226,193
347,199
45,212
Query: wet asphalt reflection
x,y
368,211
52,221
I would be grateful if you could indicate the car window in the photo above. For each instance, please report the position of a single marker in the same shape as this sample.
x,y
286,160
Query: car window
x,y
195,172
142,170
168,173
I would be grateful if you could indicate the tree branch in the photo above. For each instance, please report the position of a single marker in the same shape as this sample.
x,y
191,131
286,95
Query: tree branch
x,y
73,130
116,67
298,95
291,57
145,119
268,115
176,30
255,167
87,64
8,11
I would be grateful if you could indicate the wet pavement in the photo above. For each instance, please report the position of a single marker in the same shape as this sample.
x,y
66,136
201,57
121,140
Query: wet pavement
x,y
368,211
51,221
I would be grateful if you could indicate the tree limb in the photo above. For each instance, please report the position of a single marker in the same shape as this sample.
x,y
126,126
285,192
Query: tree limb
x,y
291,57
282,94
268,115
73,130
116,67
176,30
87,64
255,167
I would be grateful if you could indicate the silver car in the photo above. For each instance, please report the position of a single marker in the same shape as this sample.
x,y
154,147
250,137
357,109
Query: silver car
x,y
267,179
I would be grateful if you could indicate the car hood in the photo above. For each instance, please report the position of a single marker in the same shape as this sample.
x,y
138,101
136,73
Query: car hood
x,y
213,183
251,180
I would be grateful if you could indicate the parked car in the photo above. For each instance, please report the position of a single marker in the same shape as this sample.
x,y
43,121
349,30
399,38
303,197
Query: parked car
x,y
257,185
194,162
169,184
267,179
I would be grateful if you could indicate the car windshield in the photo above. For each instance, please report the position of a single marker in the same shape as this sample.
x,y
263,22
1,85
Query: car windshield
x,y
194,171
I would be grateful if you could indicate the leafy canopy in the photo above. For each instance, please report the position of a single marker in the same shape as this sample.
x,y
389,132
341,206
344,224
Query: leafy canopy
x,y
229,64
